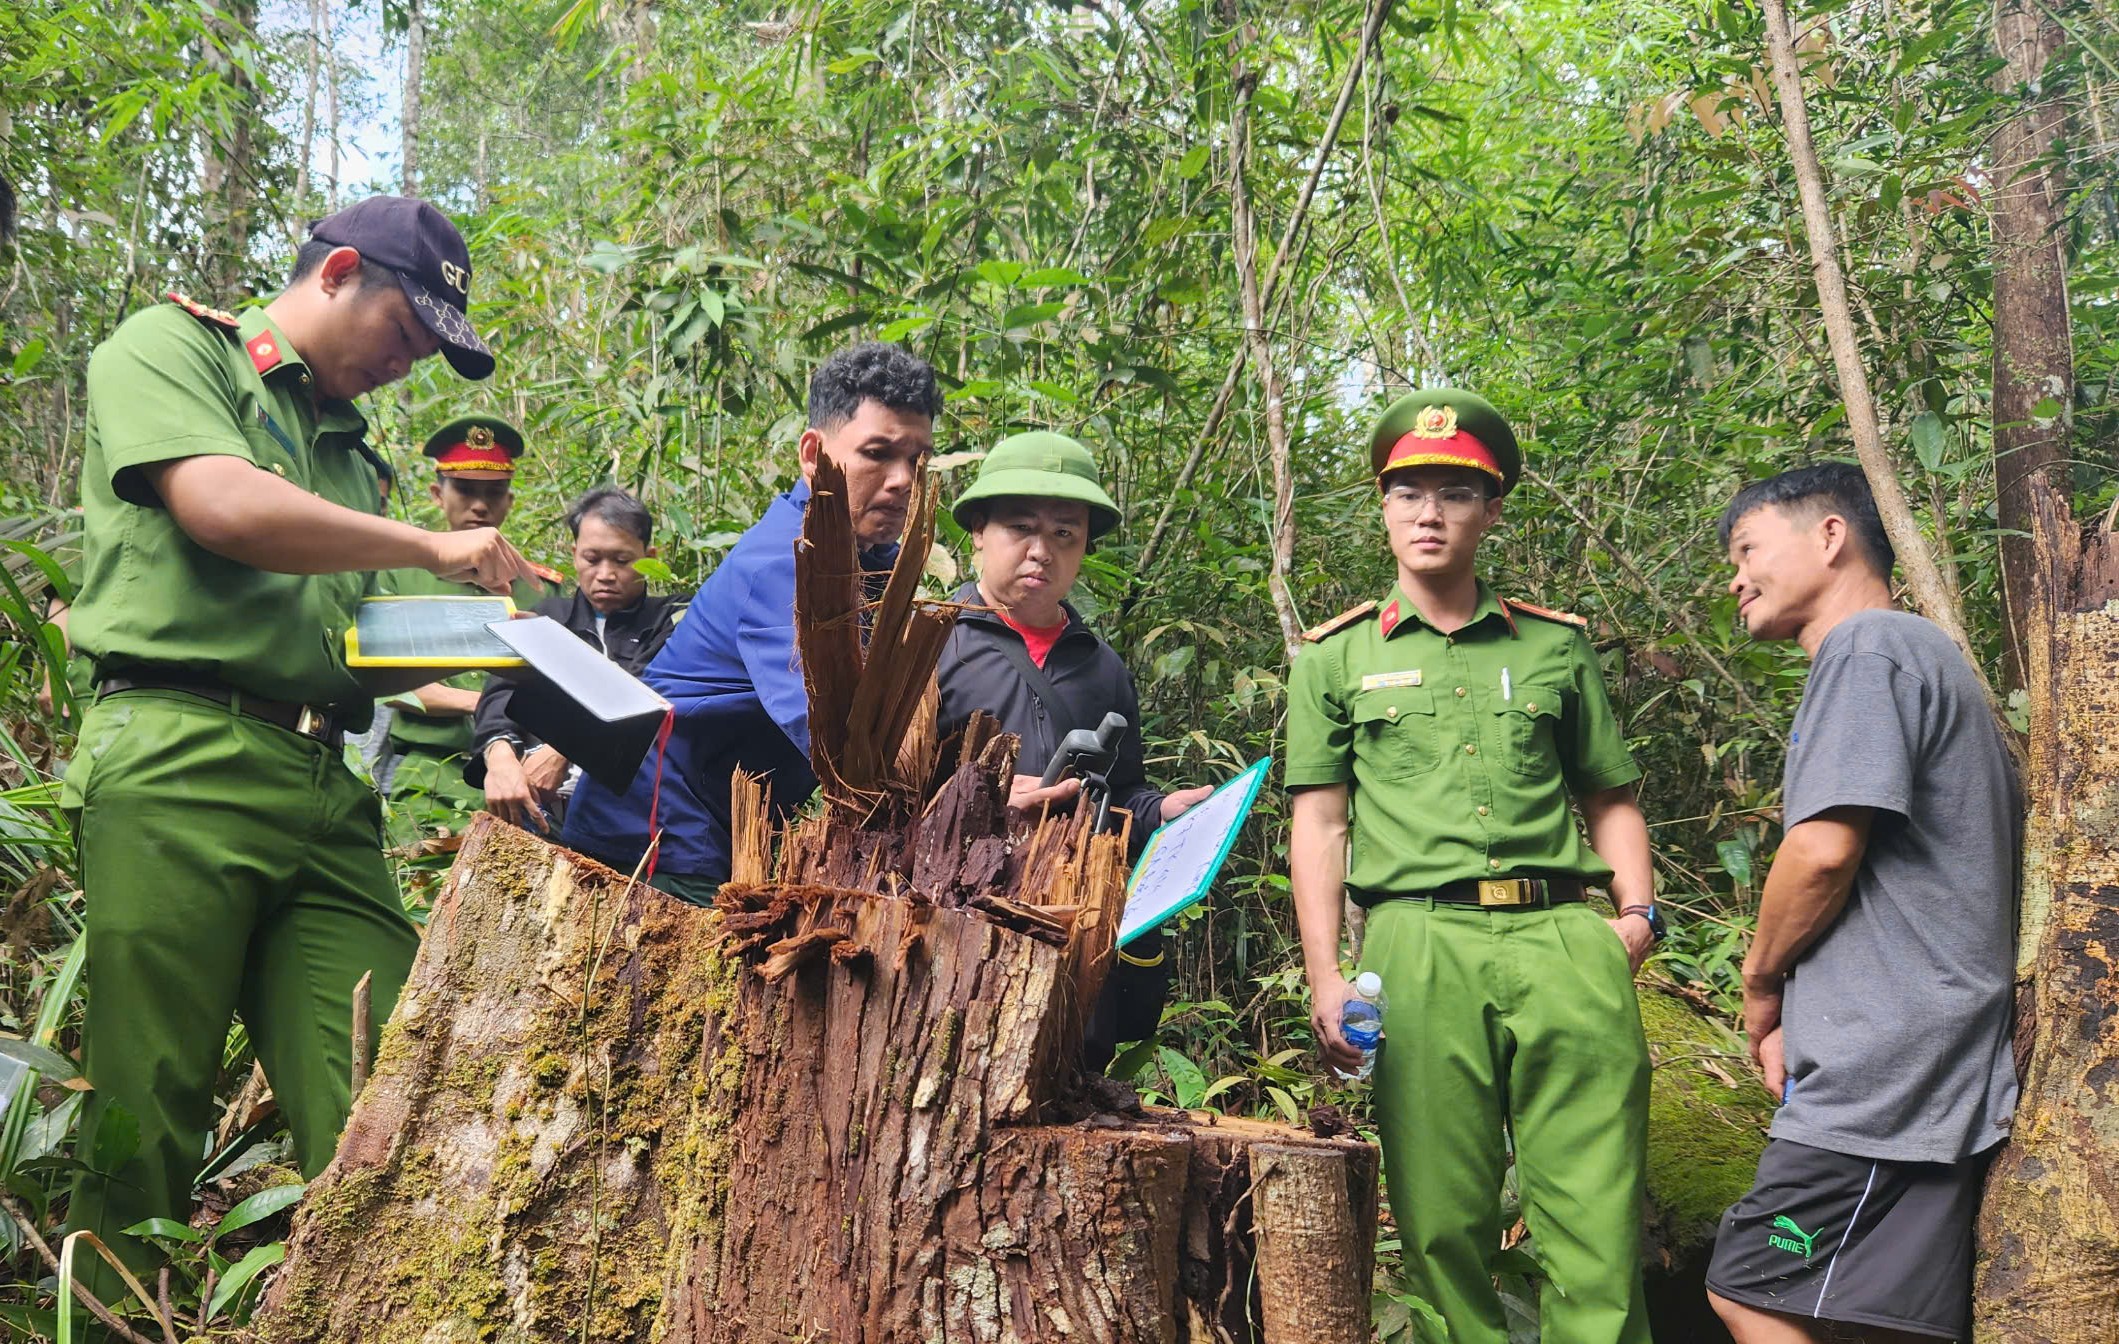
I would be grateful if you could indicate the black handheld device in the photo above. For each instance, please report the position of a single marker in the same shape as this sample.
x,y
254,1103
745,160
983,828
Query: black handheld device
x,y
1089,754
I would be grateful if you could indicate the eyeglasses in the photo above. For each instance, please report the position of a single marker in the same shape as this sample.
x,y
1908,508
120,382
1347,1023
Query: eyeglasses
x,y
1456,500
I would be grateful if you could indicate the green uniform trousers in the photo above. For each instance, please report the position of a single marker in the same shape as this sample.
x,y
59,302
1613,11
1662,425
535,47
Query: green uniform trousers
x,y
230,866
1523,1019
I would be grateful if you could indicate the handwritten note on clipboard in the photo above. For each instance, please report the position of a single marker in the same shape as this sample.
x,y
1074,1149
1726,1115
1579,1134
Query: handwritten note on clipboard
x,y
1184,857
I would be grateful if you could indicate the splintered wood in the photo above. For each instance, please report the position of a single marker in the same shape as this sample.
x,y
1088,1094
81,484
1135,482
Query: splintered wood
x,y
868,669
845,1105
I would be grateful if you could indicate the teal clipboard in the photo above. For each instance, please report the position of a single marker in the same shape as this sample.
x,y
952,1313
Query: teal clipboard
x,y
1178,868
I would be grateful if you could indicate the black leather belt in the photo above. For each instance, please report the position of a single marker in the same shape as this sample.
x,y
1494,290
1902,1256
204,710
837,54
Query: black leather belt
x,y
307,720
1505,892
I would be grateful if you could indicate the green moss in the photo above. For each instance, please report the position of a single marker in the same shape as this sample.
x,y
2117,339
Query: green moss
x,y
1704,1136
550,1069
471,1080
657,1087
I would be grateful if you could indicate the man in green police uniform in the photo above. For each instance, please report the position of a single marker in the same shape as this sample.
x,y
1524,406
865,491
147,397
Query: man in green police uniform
x,y
1446,730
230,527
474,463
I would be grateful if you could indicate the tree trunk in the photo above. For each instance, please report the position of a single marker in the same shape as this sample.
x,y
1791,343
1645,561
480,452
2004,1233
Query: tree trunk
x,y
845,1104
323,27
639,38
1284,255
2034,363
2049,1231
226,167
1281,538
308,143
408,116
1931,592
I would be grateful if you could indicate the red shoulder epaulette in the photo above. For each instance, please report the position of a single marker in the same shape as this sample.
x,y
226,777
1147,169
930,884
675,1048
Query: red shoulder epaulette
x,y
548,574
1325,629
1563,617
200,311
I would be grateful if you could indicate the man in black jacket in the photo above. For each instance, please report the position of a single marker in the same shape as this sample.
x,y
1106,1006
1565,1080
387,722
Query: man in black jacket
x,y
1031,663
527,781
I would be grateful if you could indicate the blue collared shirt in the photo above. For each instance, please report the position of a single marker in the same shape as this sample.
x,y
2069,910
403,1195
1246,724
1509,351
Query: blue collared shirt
x,y
732,674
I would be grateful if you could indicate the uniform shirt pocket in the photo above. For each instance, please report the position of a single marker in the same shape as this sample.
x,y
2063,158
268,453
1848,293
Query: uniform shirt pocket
x,y
1530,725
1395,735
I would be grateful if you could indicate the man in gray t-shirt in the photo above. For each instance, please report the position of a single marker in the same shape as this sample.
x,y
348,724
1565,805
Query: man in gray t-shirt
x,y
1878,993
1896,1019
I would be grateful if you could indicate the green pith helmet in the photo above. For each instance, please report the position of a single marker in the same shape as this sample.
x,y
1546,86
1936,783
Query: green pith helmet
x,y
1040,465
1446,427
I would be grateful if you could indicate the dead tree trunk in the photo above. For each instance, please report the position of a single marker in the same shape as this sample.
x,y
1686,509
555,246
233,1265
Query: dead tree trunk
x,y
2049,1231
844,1105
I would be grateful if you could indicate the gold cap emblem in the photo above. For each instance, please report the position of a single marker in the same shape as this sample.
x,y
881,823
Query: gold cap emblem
x,y
1436,422
479,437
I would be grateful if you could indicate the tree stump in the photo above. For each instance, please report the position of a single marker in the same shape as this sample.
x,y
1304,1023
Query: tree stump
x,y
844,1105
591,1111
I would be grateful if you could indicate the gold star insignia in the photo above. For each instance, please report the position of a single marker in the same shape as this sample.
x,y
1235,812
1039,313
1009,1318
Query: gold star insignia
x,y
479,437
1436,422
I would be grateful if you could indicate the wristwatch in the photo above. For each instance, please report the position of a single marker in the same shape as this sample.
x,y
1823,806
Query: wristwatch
x,y
1649,913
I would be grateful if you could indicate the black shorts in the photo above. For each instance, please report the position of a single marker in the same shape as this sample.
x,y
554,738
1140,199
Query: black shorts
x,y
1865,1241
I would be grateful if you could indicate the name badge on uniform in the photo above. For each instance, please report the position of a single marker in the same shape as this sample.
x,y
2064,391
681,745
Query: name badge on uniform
x,y
1381,681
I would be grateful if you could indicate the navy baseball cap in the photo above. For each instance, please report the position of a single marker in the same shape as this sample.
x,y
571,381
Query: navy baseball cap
x,y
423,249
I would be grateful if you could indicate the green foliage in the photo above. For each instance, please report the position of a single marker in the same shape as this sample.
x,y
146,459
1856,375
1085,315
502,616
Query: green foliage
x,y
1585,210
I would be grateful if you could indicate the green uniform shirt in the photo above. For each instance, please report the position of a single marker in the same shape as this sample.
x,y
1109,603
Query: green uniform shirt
x,y
1451,776
443,734
170,385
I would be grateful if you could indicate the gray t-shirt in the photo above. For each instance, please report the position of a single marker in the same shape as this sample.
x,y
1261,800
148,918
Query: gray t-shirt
x,y
1898,1018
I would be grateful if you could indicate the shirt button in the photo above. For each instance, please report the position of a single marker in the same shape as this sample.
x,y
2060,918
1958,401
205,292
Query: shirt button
x,y
1391,712
278,470
1493,863
1470,750
1460,690
1484,809
1532,707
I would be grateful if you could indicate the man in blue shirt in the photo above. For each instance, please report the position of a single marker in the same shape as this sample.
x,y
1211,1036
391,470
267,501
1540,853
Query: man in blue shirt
x,y
730,669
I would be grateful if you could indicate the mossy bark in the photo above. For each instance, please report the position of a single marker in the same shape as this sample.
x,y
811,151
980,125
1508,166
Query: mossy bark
x,y
2049,1230
1707,1119
538,1125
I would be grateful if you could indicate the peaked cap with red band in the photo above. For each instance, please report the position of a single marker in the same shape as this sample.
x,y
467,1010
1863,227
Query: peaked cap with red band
x,y
475,448
1445,427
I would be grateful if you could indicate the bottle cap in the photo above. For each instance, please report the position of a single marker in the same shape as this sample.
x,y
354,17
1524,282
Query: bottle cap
x,y
1368,984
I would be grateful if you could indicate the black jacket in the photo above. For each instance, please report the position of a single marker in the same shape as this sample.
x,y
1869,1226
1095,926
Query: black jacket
x,y
630,639
1087,673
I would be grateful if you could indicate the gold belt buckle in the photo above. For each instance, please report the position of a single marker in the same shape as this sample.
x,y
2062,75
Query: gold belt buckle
x,y
312,722
1504,891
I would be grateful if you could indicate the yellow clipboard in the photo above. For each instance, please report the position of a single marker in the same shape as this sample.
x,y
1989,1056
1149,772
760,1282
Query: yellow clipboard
x,y
435,632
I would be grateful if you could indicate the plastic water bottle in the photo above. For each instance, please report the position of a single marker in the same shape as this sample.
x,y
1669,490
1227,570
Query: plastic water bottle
x,y
1361,1022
